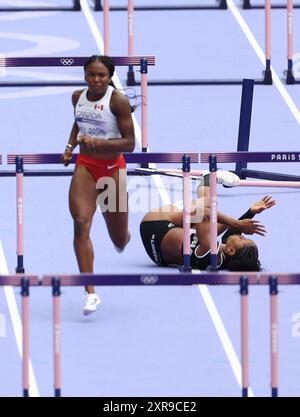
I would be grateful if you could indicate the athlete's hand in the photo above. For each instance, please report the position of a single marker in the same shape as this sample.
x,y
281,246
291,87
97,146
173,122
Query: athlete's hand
x,y
263,204
250,227
87,141
66,157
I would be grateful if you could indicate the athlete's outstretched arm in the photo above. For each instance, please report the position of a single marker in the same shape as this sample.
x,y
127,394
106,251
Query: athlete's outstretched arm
x,y
257,207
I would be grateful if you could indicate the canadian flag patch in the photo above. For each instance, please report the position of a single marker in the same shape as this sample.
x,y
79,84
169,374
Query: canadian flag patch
x,y
98,107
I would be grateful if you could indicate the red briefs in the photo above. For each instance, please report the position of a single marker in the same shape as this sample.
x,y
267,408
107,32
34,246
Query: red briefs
x,y
99,168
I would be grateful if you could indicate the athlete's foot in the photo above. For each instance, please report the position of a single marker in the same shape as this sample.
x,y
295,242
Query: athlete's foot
x,y
120,250
228,179
90,303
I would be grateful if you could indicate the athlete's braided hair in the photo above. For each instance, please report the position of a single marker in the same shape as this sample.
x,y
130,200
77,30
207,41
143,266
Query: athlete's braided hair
x,y
244,259
105,60
108,62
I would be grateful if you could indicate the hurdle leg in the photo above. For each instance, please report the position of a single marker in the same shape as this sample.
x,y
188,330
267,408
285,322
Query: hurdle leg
x,y
106,26
223,4
246,4
144,112
20,215
244,335
268,73
76,5
186,168
25,335
289,73
56,336
130,15
98,6
213,213
245,122
274,335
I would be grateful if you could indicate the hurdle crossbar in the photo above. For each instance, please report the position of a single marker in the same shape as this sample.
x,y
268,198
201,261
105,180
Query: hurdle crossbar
x,y
246,4
191,82
176,157
196,174
15,280
227,157
150,279
269,176
75,7
131,158
13,62
275,184
38,173
220,4
69,61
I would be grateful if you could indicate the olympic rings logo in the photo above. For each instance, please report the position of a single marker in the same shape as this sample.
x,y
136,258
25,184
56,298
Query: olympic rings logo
x,y
67,61
149,279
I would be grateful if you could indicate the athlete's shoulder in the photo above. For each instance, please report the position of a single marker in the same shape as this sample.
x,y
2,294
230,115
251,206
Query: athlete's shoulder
x,y
75,96
119,96
119,102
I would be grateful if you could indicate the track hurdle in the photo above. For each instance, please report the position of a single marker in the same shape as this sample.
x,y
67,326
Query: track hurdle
x,y
227,157
24,282
241,168
289,6
146,158
243,280
196,174
142,62
289,73
267,76
219,5
247,4
141,158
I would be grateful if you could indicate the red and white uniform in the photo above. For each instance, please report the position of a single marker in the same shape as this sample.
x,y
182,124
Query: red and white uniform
x,y
94,118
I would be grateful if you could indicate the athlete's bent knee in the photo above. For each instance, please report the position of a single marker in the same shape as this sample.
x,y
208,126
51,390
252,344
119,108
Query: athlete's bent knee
x,y
81,227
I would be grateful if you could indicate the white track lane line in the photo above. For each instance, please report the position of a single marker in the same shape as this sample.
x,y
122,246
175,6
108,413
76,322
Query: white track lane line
x,y
16,322
261,55
212,309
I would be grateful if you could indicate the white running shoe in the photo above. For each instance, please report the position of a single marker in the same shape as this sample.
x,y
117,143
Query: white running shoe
x,y
229,179
90,303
